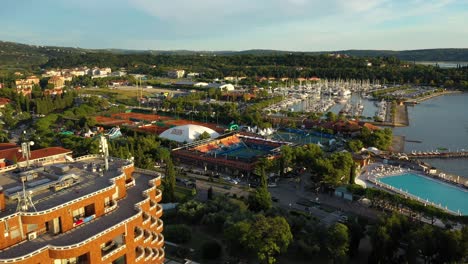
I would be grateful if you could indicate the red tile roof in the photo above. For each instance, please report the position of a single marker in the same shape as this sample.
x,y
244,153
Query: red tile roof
x,y
14,153
47,152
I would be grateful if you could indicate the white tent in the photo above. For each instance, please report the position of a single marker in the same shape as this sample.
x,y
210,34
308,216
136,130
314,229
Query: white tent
x,y
187,133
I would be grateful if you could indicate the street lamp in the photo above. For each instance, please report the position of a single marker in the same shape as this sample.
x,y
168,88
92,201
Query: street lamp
x,y
26,151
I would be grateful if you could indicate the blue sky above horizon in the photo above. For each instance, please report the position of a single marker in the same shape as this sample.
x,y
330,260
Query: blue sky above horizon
x,y
299,25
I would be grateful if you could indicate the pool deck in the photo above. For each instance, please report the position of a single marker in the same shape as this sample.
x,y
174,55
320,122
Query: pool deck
x,y
370,178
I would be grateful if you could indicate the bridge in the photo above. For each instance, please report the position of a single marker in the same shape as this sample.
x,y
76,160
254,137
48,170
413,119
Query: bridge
x,y
427,155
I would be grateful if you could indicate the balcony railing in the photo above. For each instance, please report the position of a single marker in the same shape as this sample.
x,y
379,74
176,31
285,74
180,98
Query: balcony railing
x,y
159,211
112,251
160,227
129,183
155,253
147,235
110,207
161,254
138,233
139,253
154,221
146,217
148,254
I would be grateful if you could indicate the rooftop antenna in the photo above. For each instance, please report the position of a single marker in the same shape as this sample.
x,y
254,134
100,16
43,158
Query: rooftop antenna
x,y
25,199
104,149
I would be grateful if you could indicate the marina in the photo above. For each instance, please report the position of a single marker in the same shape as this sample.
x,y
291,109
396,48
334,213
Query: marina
x,y
345,97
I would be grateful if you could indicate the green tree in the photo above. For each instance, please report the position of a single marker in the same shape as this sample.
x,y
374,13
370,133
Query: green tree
x,y
261,198
338,242
169,182
267,237
355,145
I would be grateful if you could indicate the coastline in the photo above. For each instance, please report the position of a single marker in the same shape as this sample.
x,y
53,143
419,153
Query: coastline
x,y
425,98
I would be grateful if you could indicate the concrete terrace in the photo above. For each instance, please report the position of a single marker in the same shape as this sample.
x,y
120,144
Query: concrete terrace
x,y
125,210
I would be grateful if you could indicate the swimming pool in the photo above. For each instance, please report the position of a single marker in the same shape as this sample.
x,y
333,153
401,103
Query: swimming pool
x,y
456,199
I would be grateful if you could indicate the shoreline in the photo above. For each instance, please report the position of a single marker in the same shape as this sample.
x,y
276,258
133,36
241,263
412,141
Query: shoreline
x,y
434,95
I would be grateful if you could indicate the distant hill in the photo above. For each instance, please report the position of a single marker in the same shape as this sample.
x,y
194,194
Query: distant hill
x,y
14,55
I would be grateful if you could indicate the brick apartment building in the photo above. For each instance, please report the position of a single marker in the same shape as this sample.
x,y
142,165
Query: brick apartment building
x,y
76,211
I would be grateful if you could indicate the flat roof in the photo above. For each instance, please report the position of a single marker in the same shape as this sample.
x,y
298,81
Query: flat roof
x,y
44,196
125,210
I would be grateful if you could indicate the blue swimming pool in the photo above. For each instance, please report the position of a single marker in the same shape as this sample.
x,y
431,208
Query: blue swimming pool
x,y
429,189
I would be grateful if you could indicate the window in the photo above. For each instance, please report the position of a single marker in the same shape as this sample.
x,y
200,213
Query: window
x,y
31,228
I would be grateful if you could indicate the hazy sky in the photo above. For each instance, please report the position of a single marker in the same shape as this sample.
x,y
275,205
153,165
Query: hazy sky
x,y
306,25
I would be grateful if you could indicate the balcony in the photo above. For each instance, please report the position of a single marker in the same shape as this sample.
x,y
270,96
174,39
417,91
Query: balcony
x,y
146,217
161,254
160,242
160,227
111,206
113,246
159,211
147,236
129,183
138,233
158,195
155,253
155,238
148,254
153,205
154,221
139,253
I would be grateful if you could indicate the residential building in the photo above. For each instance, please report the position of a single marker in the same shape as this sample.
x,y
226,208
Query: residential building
x,y
84,210
57,81
176,74
50,73
222,86
25,86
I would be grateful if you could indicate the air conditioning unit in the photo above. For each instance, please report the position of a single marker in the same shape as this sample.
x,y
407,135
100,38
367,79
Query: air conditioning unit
x,y
32,235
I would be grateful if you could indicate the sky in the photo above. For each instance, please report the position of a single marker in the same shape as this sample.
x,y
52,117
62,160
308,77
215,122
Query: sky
x,y
294,25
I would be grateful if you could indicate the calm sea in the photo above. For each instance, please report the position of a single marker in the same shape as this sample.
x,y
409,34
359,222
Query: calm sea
x,y
441,122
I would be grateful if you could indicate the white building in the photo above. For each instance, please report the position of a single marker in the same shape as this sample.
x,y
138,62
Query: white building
x,y
193,75
222,86
187,133
176,74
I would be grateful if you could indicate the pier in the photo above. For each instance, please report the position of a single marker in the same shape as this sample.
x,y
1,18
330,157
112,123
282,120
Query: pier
x,y
427,155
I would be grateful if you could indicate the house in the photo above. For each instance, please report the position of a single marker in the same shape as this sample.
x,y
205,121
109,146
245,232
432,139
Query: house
x,y
25,86
50,73
57,81
222,86
176,74
33,79
234,78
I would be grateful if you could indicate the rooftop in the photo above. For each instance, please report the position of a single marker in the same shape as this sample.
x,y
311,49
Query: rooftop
x,y
125,210
78,178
